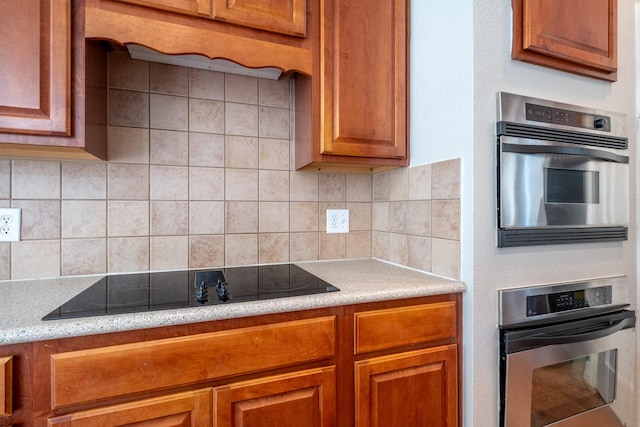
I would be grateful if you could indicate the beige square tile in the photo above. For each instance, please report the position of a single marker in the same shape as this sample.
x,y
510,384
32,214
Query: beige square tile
x,y
35,179
206,184
169,183
381,213
419,253
241,119
206,149
242,152
274,154
84,180
5,261
420,182
274,93
128,182
128,218
398,217
169,79
304,216
381,245
5,178
206,116
35,259
169,252
419,218
127,145
359,216
84,218
169,147
241,249
304,247
128,108
206,251
359,188
273,185
127,73
398,248
303,186
169,218
332,187
206,218
242,89
241,184
445,217
398,184
275,123
206,84
128,254
445,179
273,217
40,219
332,246
381,187
445,258
84,256
273,248
241,217
359,244
169,112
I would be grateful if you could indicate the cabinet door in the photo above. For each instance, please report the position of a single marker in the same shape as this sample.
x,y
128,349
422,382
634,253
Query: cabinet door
x,y
279,16
573,35
364,72
35,70
176,410
6,385
187,7
300,399
418,388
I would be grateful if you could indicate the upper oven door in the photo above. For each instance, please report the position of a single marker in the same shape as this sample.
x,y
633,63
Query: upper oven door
x,y
549,184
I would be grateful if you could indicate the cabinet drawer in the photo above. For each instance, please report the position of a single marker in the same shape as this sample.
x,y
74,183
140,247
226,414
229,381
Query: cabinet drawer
x,y
395,327
88,375
6,385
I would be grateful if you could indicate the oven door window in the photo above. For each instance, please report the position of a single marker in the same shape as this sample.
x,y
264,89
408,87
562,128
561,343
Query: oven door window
x,y
572,387
571,186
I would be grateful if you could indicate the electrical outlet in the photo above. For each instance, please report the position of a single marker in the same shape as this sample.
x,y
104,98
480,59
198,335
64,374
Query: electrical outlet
x,y
9,224
337,220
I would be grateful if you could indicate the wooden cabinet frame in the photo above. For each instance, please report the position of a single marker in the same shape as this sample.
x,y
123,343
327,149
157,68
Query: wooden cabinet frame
x,y
6,385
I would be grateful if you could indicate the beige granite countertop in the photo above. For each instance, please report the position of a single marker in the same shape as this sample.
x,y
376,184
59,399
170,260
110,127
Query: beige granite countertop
x,y
24,303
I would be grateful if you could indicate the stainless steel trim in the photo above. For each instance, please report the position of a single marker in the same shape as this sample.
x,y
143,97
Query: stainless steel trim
x,y
573,151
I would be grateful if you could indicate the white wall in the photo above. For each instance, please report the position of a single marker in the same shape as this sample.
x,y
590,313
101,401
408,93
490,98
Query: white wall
x,y
461,57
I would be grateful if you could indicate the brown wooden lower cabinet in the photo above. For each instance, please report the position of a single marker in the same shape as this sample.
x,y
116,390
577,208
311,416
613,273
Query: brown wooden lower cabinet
x,y
340,366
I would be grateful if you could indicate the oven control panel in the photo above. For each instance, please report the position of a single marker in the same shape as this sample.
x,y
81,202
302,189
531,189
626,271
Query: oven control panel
x,y
569,300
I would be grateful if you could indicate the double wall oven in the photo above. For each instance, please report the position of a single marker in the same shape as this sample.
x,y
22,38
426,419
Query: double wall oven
x,y
567,354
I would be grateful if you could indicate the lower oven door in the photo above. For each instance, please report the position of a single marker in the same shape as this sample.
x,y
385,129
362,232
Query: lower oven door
x,y
576,374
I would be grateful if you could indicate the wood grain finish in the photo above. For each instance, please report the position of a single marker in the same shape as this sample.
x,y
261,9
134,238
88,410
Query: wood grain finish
x,y
396,327
188,7
88,375
417,388
35,88
191,408
578,36
299,399
6,385
282,16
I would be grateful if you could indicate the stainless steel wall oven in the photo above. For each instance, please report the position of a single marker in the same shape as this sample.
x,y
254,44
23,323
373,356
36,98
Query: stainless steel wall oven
x,y
563,173
567,355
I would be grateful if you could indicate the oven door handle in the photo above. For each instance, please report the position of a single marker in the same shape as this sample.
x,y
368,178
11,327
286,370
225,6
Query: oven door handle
x,y
574,151
545,339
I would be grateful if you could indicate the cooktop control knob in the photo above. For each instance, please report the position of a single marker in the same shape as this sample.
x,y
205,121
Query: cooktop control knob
x,y
599,123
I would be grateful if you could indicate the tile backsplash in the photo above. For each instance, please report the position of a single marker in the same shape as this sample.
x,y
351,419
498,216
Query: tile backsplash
x,y
199,174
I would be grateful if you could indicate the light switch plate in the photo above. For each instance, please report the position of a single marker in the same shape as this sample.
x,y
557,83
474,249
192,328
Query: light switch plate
x,y
10,222
337,220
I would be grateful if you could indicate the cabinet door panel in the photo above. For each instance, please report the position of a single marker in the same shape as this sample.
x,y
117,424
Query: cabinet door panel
x,y
418,388
35,75
299,399
280,16
187,7
6,385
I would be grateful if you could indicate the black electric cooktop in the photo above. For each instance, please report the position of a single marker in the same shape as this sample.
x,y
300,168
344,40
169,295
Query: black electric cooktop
x,y
140,292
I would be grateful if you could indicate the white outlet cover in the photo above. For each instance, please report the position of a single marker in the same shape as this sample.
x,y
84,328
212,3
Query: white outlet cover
x,y
337,220
10,223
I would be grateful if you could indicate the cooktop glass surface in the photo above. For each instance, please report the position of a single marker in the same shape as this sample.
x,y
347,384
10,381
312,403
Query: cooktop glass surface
x,y
140,292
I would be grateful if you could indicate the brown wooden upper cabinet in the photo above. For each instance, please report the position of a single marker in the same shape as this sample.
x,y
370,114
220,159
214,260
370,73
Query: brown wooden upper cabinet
x,y
278,16
578,36
187,7
354,110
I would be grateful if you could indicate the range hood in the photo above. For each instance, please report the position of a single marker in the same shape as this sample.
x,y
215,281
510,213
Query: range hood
x,y
202,62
